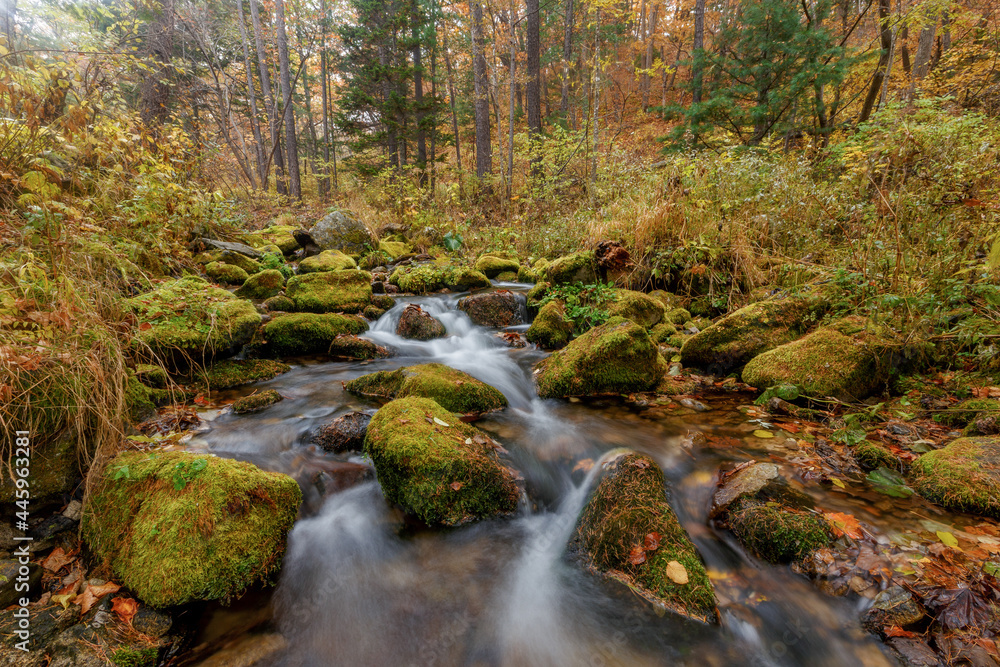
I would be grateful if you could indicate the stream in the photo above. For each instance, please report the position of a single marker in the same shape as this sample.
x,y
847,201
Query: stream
x,y
363,585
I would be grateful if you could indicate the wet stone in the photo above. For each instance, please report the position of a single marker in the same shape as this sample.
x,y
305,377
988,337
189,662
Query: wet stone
x,y
345,433
416,324
893,606
746,482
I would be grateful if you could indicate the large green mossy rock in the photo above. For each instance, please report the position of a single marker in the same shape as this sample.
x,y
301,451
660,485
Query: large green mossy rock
x,y
262,285
297,334
275,235
641,308
340,230
551,328
452,389
233,373
825,362
328,260
493,266
248,264
227,274
777,534
629,532
330,291
579,267
740,336
190,319
963,477
436,467
614,358
426,278
177,527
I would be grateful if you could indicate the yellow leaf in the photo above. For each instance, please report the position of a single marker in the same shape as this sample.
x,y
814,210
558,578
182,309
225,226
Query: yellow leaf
x,y
676,573
761,433
948,539
837,482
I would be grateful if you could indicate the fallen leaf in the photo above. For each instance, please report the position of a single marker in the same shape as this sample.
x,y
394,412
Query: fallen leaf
x,y
637,556
468,441
126,608
64,600
844,524
948,539
57,560
837,482
761,433
455,486
94,593
676,573
652,542
896,631
441,422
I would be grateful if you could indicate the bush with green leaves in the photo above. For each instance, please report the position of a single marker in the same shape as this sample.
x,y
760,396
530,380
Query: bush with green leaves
x,y
585,305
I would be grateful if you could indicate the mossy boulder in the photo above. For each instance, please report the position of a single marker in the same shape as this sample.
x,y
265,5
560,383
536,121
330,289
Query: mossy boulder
x,y
629,531
506,277
188,318
262,285
739,337
304,333
275,235
383,301
676,316
451,388
963,477
233,373
331,291
823,363
436,467
278,304
500,308
417,324
872,455
328,260
535,295
579,267
394,249
613,358
256,402
152,376
663,333
349,346
464,278
425,278
227,274
493,266
551,328
138,404
526,275
775,533
641,308
248,264
969,410
340,230
176,527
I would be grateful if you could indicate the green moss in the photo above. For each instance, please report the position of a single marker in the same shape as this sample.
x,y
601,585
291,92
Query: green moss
x,y
638,307
373,259
967,411
226,273
737,338
628,505
190,318
383,301
248,264
536,294
507,277
394,249
305,333
676,316
278,235
777,534
262,285
233,373
137,401
963,477
450,388
871,455
348,291
152,376
328,260
526,275
275,261
464,278
127,656
256,402
426,278
176,527
373,312
576,268
352,347
280,303
54,468
663,333
669,301
823,363
616,357
436,467
551,328
494,266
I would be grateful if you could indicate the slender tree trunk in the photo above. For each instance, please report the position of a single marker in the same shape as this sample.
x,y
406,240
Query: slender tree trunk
x,y
265,84
324,182
663,77
595,127
647,62
534,101
697,49
313,139
252,98
513,97
418,92
567,54
8,16
454,111
885,36
484,151
154,93
392,143
433,114
288,111
925,46
904,50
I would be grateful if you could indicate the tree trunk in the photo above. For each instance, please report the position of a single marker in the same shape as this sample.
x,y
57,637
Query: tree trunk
x,y
647,62
265,84
534,98
391,140
567,54
510,119
904,50
418,92
324,182
288,111
484,151
252,98
314,140
925,46
454,110
697,50
885,36
597,96
154,93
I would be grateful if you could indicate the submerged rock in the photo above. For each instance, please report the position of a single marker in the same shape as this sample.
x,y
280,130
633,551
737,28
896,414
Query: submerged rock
x,y
436,467
340,230
871,455
347,291
452,389
500,308
263,285
629,532
579,267
328,260
616,357
417,324
740,336
493,266
551,328
774,533
895,606
304,333
256,402
177,527
747,481
963,477
345,433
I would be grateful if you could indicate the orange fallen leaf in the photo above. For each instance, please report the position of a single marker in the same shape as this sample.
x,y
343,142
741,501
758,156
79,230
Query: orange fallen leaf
x,y
676,573
637,556
843,524
652,542
94,593
126,608
896,631
57,560
455,486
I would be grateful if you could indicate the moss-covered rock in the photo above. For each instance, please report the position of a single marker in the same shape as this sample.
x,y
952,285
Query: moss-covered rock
x,y
638,307
425,278
613,358
676,316
739,337
417,324
777,534
461,279
304,333
275,235
152,376
579,267
629,531
452,389
969,410
138,404
663,333
494,266
328,260
373,313
551,328
347,291
351,347
188,318
499,308
262,285
823,363
963,477
177,527
871,455
233,373
278,304
341,230
227,274
506,277
383,301
436,467
526,275
248,264
394,249
535,295
256,402
670,301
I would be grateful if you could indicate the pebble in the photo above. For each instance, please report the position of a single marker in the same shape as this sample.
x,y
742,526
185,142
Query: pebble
x,y
696,405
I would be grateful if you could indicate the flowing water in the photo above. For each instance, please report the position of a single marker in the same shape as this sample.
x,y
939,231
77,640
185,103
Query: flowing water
x,y
363,586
